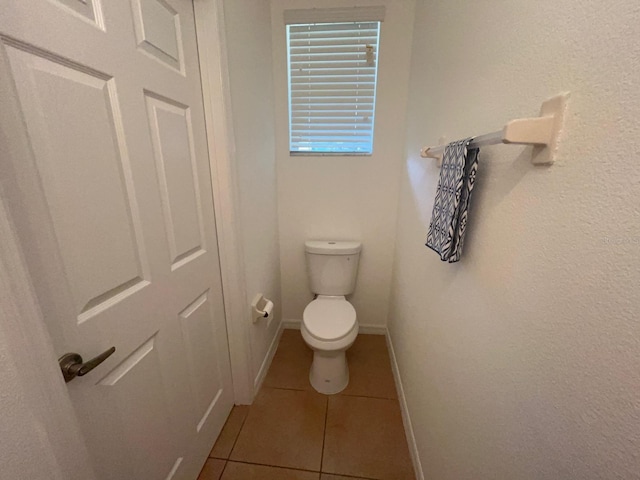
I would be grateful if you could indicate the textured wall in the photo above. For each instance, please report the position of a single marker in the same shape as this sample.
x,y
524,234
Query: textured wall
x,y
248,26
523,360
345,198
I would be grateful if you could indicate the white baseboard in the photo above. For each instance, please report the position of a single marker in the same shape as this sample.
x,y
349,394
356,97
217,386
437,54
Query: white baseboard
x,y
293,324
266,363
406,419
372,330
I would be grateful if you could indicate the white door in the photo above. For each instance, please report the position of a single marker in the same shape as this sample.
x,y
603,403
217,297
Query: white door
x,y
109,188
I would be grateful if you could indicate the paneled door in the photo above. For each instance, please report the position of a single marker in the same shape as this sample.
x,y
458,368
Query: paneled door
x,y
106,172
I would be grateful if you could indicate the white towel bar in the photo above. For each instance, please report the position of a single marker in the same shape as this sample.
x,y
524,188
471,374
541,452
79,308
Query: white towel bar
x,y
542,132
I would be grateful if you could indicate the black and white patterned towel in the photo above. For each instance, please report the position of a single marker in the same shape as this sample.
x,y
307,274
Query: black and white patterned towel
x,y
449,218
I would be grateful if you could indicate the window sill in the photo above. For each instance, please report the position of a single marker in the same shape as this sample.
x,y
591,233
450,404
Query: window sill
x,y
329,154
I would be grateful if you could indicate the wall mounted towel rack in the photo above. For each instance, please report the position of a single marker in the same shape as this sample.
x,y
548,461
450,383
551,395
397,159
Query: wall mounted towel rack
x,y
542,132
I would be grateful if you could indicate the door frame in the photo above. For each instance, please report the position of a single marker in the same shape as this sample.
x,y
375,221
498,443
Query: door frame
x,y
216,93
52,446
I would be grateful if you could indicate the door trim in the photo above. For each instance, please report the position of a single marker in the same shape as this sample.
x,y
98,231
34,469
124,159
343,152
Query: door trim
x,y
216,92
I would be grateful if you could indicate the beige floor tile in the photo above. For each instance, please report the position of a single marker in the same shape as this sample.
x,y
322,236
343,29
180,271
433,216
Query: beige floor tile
x,y
328,476
370,372
291,363
247,471
365,438
284,428
212,469
229,433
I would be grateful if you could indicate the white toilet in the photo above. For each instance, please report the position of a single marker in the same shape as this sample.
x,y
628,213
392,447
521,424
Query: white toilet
x,y
329,324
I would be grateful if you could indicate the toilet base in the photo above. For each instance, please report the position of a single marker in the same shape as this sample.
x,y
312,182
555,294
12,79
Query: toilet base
x,y
329,372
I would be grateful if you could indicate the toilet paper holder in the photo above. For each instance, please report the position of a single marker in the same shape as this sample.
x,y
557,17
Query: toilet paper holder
x,y
261,307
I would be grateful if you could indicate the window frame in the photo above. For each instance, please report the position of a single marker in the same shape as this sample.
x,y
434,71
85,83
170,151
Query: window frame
x,y
297,153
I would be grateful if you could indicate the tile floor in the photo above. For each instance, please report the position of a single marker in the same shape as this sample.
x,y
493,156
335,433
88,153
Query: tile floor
x,y
291,432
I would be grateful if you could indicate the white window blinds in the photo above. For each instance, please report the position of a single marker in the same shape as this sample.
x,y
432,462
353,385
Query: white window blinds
x,y
332,86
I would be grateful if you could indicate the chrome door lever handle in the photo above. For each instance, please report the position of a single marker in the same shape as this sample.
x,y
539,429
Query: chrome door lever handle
x,y
72,365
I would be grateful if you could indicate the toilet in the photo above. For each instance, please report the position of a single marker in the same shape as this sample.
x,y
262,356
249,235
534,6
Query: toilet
x,y
329,322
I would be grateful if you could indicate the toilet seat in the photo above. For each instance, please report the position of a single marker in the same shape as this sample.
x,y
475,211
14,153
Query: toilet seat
x,y
329,319
329,326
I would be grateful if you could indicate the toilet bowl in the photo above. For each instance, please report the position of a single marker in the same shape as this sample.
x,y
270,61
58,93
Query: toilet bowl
x,y
329,327
329,323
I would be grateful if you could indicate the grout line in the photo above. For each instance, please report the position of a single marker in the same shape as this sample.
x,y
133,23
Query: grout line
x,y
288,388
324,433
223,469
364,396
275,466
336,395
299,469
214,444
348,476
238,434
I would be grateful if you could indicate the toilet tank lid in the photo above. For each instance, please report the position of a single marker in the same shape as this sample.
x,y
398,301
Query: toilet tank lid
x,y
331,247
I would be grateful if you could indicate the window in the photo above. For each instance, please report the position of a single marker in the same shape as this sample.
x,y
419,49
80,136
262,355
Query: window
x,y
332,87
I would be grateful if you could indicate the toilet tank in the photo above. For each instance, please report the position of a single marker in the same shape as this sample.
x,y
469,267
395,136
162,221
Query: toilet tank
x,y
332,266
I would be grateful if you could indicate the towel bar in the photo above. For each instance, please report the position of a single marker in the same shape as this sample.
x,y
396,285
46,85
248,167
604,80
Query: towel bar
x,y
542,132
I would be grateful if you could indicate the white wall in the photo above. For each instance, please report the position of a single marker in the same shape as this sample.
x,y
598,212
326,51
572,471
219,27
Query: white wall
x,y
248,31
523,360
344,198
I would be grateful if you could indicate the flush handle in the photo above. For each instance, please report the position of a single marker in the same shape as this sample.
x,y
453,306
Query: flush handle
x,y
72,365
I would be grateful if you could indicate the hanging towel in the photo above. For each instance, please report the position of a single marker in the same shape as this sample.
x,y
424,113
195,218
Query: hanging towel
x,y
449,218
